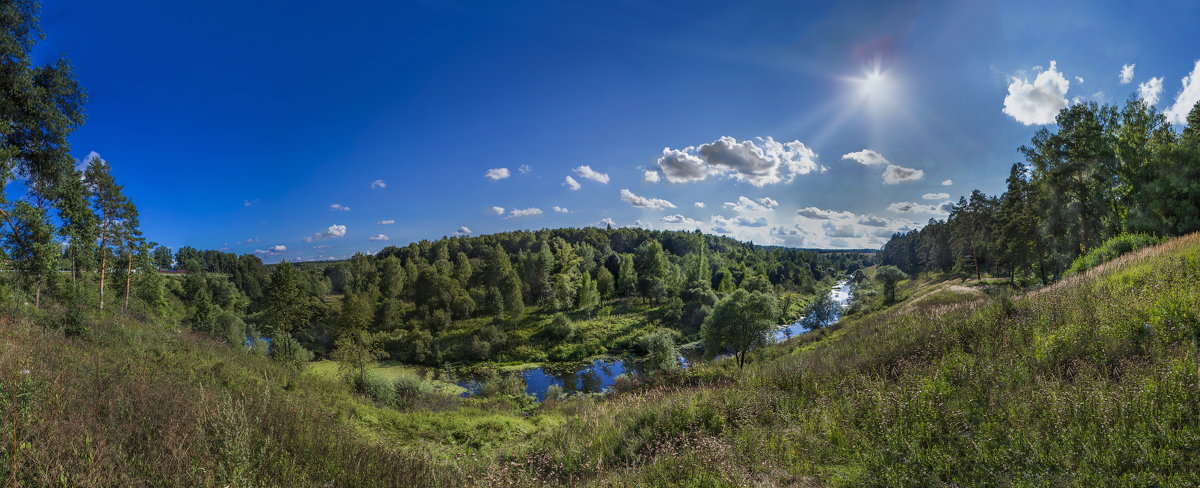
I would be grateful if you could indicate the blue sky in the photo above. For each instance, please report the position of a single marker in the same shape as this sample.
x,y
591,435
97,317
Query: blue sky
x,y
238,125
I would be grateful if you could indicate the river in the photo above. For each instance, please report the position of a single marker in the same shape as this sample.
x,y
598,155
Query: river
x,y
600,374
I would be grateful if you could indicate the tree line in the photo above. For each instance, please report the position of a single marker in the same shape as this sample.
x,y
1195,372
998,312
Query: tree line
x,y
1101,172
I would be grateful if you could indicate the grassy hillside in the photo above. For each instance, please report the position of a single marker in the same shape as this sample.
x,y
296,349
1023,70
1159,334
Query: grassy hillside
x,y
1092,381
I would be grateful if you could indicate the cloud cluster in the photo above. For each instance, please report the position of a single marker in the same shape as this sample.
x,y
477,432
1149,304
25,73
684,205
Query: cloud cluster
x,y
378,237
921,208
1127,73
822,214
463,231
899,174
935,196
496,174
334,231
1186,98
524,212
947,182
498,210
559,209
571,183
644,202
1150,91
1040,101
524,169
272,251
650,177
745,204
586,172
377,184
678,222
866,157
762,161
339,207
386,222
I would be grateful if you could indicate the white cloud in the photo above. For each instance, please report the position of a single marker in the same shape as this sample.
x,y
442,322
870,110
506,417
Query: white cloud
x,y
571,183
496,174
524,212
747,205
1187,97
935,196
333,232
919,208
1150,91
498,210
1079,79
339,207
377,184
559,209
947,182
378,237
1038,102
872,221
252,240
275,250
644,202
699,205
386,222
679,222
843,230
463,231
607,221
82,164
587,172
650,177
866,157
245,203
790,235
899,174
822,214
524,169
1127,73
758,163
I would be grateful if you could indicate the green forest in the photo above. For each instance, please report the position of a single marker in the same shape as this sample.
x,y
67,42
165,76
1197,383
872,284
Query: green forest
x,y
1048,336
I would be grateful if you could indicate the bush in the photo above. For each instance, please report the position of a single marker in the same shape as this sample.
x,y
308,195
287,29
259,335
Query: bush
x,y
288,351
375,387
1111,249
560,329
230,327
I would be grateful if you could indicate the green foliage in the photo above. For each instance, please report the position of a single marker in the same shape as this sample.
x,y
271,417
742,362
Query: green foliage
x,y
890,276
1111,249
740,323
661,352
287,351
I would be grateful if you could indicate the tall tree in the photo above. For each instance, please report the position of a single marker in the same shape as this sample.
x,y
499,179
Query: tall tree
x,y
740,322
31,248
110,207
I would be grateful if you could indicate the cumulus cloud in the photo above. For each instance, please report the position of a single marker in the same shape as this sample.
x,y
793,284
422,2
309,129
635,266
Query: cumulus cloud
x,y
587,172
377,184
842,230
750,222
559,209
920,208
607,221
789,235
680,221
339,207
386,222
1038,102
822,214
935,196
745,204
866,157
463,231
524,212
571,183
378,237
333,232
699,205
644,202
947,182
1079,79
1127,73
275,250
872,221
899,174
82,164
650,177
1186,98
496,174
761,161
524,169
1150,90
498,210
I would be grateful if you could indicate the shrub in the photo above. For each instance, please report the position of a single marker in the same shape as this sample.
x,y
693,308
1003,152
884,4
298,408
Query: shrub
x,y
230,327
560,329
288,352
1111,249
662,353
375,387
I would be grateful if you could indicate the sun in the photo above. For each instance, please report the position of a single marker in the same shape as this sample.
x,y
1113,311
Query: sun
x,y
873,84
